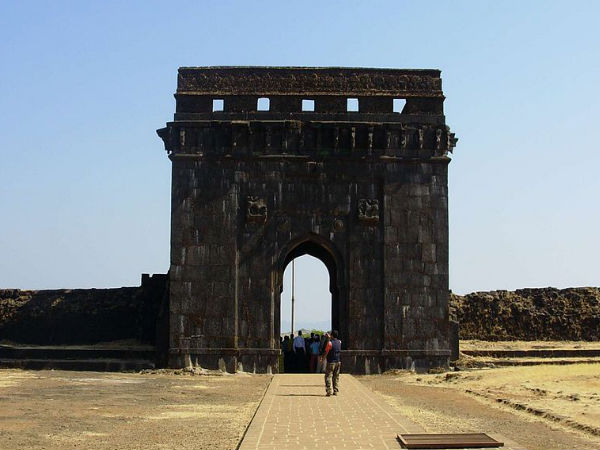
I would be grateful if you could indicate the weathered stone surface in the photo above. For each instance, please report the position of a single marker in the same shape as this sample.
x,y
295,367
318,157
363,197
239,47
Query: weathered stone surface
x,y
364,191
245,83
529,314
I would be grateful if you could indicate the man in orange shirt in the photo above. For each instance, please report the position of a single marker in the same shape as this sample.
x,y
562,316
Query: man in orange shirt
x,y
332,354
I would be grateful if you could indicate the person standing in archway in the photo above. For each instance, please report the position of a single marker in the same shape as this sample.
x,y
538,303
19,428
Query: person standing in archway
x,y
314,353
332,353
299,353
286,348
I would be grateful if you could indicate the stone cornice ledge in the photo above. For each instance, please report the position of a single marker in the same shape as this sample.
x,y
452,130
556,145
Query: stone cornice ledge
x,y
306,81
385,159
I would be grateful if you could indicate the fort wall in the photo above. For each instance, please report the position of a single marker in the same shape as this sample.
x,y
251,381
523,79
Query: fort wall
x,y
83,316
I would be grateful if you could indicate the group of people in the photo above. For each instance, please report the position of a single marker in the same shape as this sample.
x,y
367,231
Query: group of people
x,y
317,354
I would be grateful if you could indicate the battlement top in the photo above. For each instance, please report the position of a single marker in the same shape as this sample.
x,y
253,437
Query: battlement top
x,y
307,81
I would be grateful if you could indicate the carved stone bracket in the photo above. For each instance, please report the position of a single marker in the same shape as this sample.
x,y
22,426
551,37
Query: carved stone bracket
x,y
314,138
452,140
256,210
368,210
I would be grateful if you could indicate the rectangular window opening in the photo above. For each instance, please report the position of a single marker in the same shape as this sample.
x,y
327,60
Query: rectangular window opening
x,y
399,104
263,104
308,105
218,104
352,105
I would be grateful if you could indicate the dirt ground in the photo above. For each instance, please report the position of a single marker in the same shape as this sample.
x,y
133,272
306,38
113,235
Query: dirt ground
x,y
96,410
549,407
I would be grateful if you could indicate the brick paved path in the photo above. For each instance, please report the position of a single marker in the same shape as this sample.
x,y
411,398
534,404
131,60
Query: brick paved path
x,y
295,414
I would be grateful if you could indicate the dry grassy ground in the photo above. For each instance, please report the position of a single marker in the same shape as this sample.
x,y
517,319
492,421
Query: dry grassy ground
x,y
472,344
94,410
565,392
536,406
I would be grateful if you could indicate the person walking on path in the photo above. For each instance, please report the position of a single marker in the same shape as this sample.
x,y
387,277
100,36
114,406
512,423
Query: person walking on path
x,y
332,353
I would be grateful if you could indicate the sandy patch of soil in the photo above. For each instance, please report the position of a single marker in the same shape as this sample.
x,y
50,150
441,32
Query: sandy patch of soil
x,y
95,410
536,406
571,393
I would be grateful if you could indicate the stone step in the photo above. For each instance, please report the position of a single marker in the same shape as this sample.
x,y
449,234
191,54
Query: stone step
x,y
538,362
535,353
96,365
100,359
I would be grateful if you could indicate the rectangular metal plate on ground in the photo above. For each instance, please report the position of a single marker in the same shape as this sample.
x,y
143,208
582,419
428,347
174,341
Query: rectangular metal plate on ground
x,y
458,440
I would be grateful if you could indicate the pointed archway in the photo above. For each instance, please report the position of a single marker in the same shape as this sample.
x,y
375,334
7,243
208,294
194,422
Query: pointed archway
x,y
323,250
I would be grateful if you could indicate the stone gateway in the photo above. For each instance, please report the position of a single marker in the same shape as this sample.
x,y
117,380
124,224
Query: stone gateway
x,y
349,165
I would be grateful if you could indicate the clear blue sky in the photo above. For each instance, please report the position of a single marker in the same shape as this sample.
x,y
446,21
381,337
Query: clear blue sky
x,y
84,193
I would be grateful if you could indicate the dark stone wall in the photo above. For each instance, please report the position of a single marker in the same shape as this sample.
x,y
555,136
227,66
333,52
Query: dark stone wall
x,y
390,276
84,316
416,257
203,250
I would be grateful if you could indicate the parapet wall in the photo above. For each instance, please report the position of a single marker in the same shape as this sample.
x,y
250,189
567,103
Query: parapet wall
x,y
238,112
83,316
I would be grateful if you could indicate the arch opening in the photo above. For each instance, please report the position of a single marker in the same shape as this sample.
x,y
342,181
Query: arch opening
x,y
317,299
312,295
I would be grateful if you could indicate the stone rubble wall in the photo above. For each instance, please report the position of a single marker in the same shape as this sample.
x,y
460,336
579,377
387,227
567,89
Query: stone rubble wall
x,y
529,314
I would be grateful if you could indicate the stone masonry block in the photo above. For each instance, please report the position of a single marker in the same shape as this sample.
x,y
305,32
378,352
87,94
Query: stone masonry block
x,y
428,253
